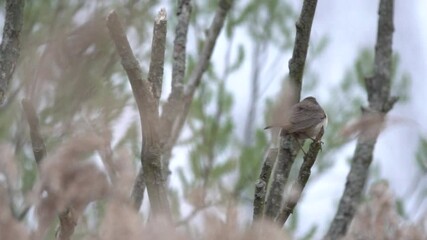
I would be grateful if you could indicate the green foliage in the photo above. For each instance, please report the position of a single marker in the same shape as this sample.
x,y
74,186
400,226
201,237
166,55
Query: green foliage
x,y
211,133
250,161
421,156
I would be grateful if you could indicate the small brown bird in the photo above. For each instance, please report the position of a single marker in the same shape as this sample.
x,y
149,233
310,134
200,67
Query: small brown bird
x,y
305,120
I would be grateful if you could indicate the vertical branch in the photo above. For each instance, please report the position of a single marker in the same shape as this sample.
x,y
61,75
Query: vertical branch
x,y
39,149
282,168
10,45
179,45
378,89
296,69
149,116
262,183
67,218
155,77
155,73
299,54
303,176
173,107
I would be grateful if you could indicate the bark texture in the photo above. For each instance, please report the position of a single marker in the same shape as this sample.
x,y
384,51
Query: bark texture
x,y
378,89
10,46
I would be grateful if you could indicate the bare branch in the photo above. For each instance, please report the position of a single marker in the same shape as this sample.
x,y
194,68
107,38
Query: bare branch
x,y
155,76
39,148
67,221
250,119
138,189
67,224
179,45
173,107
205,56
155,73
262,184
378,88
303,175
192,214
176,110
149,116
10,45
302,38
281,172
296,69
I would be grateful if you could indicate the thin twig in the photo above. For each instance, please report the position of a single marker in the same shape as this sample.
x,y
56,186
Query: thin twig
x,y
250,119
174,121
303,175
378,89
192,214
149,116
262,183
10,45
296,69
205,56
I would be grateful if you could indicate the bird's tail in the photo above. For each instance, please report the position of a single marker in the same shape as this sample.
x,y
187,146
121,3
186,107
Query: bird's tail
x,y
283,126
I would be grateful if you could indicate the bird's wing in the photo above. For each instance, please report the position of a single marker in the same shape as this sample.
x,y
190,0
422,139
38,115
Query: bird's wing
x,y
305,116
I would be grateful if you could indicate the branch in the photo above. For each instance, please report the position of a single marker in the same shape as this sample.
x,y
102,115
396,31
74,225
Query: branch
x,y
378,88
296,69
149,116
250,119
138,190
303,176
155,73
262,184
67,221
155,76
10,45
192,214
39,148
173,107
299,54
205,56
176,110
179,45
281,172
67,224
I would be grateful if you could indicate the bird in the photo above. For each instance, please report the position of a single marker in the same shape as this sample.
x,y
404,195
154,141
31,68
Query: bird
x,y
305,121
